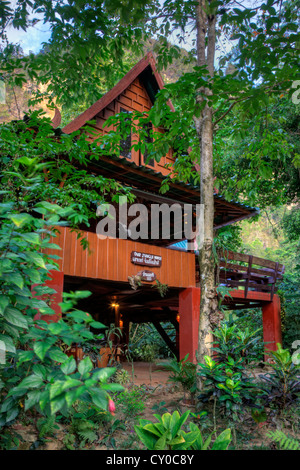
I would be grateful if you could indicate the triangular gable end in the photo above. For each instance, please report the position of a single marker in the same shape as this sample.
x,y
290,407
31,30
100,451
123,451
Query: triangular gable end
x,y
136,91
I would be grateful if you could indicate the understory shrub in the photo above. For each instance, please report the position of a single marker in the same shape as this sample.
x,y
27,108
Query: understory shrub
x,y
282,385
37,374
168,434
182,372
130,402
225,380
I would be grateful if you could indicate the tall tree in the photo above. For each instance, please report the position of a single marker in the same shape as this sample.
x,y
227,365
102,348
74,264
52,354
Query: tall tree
x,y
206,47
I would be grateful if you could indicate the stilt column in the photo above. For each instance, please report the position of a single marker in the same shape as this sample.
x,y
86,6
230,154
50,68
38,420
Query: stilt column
x,y
189,310
272,324
56,282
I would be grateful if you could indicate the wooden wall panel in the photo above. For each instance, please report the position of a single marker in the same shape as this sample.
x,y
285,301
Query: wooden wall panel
x,y
110,259
102,255
91,260
134,98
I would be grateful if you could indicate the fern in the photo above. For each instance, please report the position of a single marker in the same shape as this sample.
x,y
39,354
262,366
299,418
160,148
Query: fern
x,y
46,426
87,436
69,441
285,442
85,430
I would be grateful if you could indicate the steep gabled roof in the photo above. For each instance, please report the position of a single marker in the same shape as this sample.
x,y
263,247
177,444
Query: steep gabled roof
x,y
145,69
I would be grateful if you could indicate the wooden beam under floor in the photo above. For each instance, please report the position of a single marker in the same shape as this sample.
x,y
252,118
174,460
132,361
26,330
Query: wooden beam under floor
x,y
166,338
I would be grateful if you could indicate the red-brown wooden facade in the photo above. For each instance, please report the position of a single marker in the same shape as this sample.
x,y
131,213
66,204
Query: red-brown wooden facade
x,y
110,260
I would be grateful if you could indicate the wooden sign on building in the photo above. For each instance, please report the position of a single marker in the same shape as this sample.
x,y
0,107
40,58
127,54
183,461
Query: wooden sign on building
x,y
148,276
145,259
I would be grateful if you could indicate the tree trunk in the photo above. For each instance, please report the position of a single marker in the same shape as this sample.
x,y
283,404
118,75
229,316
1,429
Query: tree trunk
x,y
204,127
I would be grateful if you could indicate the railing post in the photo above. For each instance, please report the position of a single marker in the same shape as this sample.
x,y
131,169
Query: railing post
x,y
275,278
248,275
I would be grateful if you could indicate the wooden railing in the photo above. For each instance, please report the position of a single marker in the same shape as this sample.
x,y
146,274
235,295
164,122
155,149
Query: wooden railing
x,y
238,270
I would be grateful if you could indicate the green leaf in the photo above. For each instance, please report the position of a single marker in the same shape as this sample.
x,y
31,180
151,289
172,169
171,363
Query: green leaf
x,y
100,401
25,356
26,161
57,355
176,424
21,219
70,397
209,361
55,389
207,442
55,328
44,399
161,443
198,444
85,366
33,275
80,316
57,403
103,374
4,302
223,440
9,344
177,440
12,414
40,371
97,324
41,347
112,387
190,438
36,259
15,317
147,438
69,366
32,381
70,382
166,420
154,429
32,398
32,237
14,278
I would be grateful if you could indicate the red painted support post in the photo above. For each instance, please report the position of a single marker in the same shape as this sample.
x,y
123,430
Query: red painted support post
x,y
177,343
272,324
57,283
125,336
189,310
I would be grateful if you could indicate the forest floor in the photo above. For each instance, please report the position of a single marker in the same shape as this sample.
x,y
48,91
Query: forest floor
x,y
150,392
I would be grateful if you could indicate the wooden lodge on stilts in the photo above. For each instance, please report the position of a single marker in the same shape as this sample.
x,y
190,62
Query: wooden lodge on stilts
x,y
109,268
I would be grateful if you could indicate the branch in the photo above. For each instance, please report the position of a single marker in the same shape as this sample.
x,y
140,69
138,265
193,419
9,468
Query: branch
x,y
228,110
243,6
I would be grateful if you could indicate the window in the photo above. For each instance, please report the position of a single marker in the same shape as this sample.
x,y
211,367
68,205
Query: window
x,y
148,139
125,144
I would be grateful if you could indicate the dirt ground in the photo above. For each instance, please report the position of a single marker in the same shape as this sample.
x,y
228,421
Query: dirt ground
x,y
160,395
146,373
